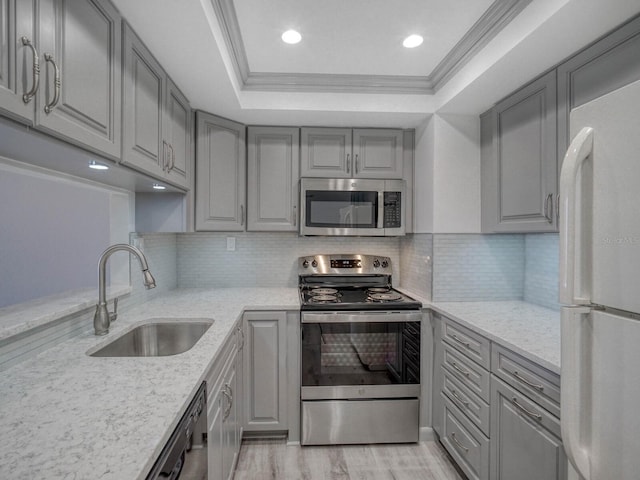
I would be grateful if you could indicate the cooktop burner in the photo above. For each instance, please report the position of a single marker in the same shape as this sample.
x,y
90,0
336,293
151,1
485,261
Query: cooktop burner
x,y
384,297
323,291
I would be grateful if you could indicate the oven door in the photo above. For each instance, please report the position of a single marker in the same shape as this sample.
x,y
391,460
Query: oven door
x,y
358,355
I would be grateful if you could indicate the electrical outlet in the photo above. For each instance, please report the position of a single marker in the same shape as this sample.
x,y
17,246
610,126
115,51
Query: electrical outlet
x,y
231,244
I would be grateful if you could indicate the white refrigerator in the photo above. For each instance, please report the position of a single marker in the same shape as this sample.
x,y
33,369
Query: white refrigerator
x,y
600,287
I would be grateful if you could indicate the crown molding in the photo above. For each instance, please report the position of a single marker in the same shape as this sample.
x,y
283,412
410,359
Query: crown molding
x,y
496,17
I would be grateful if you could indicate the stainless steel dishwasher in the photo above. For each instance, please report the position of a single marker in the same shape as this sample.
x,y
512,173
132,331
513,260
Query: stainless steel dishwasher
x,y
185,454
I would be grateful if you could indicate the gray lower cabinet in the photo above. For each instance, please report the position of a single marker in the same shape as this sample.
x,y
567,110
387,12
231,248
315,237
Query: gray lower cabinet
x,y
351,153
525,439
221,174
77,93
156,117
223,410
495,412
519,161
265,376
272,178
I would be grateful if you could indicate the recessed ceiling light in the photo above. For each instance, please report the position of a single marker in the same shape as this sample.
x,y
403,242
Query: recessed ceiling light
x,y
291,36
97,166
157,186
412,41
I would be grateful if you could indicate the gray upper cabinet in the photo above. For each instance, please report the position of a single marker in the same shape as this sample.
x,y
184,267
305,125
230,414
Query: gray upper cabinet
x,y
347,153
156,119
178,136
377,153
18,51
272,178
220,174
519,162
607,65
77,46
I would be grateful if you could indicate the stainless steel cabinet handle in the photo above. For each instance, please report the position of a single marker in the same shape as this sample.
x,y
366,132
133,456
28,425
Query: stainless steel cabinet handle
x,y
520,407
164,155
56,84
241,332
527,382
459,398
172,158
466,373
295,215
26,98
348,163
241,215
460,341
548,208
357,163
229,397
452,436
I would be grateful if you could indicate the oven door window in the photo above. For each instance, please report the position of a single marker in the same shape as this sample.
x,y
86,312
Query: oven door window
x,y
337,354
337,209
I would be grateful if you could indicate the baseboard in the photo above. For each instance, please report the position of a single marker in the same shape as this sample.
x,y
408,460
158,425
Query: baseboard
x,y
427,434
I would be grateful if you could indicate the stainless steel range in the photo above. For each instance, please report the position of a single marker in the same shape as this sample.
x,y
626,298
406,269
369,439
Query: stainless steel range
x,y
360,352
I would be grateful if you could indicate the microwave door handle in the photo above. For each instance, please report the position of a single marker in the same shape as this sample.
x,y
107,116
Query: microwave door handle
x,y
380,223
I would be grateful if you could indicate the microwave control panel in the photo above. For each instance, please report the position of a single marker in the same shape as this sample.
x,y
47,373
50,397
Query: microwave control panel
x,y
392,210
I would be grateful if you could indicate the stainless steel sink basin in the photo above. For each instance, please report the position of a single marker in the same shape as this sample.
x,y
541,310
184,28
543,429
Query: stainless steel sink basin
x,y
157,338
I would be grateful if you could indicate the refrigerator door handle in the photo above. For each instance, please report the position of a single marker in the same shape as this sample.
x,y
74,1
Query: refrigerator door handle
x,y
571,228
575,401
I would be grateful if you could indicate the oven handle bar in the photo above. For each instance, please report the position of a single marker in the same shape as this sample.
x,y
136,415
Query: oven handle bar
x,y
361,317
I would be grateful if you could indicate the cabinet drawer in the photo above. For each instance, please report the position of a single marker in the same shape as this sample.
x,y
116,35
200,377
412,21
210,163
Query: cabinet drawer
x,y
476,409
538,383
471,344
469,373
465,443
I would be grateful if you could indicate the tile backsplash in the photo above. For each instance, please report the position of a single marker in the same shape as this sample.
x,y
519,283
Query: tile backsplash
x,y
264,259
478,267
442,267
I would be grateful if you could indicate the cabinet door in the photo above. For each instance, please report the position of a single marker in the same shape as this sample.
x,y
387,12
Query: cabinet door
x,y
221,174
178,137
377,153
265,371
215,448
83,39
144,87
524,161
525,439
272,179
17,58
326,152
607,65
230,432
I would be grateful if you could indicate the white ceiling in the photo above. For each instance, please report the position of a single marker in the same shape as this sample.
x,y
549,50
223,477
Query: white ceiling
x,y
356,37
197,44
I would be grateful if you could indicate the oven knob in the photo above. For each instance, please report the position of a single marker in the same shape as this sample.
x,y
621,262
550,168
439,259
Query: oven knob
x,y
305,264
376,263
385,264
314,264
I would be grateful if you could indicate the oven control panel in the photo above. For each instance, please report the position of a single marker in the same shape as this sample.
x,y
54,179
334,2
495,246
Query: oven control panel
x,y
344,265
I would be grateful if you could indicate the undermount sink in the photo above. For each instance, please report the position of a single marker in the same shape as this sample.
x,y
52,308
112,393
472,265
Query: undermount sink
x,y
157,338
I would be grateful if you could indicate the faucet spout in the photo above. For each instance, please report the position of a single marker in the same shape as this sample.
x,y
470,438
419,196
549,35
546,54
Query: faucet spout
x,y
102,318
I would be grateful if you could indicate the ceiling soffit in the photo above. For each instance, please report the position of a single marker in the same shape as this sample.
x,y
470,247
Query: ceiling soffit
x,y
494,19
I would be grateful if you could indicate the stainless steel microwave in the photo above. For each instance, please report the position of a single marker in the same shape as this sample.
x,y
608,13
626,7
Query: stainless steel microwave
x,y
352,206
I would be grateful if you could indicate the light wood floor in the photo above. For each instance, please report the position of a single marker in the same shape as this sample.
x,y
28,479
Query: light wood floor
x,y
262,459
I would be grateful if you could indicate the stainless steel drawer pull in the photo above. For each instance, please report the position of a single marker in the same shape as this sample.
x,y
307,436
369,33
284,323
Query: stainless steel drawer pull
x,y
460,341
348,163
357,163
36,70
56,84
452,436
534,415
466,373
527,382
459,398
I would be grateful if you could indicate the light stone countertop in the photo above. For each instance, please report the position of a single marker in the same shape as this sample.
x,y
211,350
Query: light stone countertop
x,y
65,415
527,329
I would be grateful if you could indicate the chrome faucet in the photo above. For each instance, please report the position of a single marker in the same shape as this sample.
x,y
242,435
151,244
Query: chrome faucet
x,y
102,318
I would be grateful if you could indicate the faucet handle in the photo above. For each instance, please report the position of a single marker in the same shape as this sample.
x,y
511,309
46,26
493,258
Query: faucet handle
x,y
113,315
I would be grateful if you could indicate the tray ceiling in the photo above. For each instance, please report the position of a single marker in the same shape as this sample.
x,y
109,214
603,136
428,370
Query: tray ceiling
x,y
356,45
